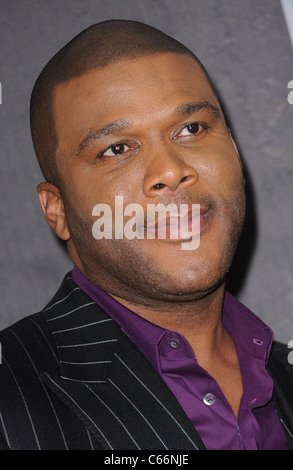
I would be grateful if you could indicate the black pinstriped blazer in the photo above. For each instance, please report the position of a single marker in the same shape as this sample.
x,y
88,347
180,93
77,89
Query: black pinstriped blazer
x,y
70,378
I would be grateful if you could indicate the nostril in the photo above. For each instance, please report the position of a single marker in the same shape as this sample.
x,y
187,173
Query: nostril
x,y
159,186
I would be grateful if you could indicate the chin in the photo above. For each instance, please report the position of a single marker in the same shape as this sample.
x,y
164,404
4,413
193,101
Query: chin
x,y
187,284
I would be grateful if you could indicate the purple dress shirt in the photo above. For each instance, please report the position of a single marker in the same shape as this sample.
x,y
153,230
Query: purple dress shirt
x,y
257,426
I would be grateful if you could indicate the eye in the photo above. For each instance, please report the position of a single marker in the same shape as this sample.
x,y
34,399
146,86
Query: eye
x,y
114,150
192,129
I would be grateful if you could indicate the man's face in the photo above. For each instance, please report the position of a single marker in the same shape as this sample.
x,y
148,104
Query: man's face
x,y
151,130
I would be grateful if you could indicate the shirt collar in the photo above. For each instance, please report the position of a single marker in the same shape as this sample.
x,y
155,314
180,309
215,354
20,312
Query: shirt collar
x,y
248,332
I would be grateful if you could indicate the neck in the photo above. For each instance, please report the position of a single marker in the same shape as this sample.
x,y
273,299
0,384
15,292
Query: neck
x,y
199,321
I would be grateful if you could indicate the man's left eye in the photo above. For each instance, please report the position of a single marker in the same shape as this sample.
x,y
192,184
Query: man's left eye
x,y
191,129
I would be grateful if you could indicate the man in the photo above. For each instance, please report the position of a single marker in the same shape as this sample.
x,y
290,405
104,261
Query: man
x,y
141,347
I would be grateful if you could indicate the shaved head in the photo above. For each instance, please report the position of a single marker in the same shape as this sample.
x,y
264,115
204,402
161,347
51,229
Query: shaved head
x,y
99,45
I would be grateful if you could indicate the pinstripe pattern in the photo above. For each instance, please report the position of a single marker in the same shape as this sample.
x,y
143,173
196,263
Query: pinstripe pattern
x,y
61,300
46,393
141,414
161,404
80,326
115,416
68,313
71,379
25,405
5,432
80,409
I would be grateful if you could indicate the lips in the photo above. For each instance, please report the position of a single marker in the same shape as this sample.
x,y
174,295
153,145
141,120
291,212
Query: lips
x,y
182,223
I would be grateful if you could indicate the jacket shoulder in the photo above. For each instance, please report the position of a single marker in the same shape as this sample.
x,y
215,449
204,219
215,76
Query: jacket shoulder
x,y
30,340
27,348
280,363
280,355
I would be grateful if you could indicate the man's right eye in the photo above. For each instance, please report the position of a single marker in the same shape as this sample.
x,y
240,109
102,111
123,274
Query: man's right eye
x,y
114,150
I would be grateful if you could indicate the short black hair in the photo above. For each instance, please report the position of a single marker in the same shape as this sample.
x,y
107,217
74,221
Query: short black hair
x,y
99,45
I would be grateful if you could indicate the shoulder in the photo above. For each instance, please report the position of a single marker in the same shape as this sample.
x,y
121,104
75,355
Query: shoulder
x,y
27,345
280,364
281,355
30,341
28,348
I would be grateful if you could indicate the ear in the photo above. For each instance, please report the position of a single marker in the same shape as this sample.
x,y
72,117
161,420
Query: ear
x,y
52,206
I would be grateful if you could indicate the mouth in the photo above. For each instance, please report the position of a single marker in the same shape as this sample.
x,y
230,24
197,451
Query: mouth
x,y
179,224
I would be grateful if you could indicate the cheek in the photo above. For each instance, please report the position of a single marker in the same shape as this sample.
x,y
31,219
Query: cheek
x,y
93,199
96,186
224,173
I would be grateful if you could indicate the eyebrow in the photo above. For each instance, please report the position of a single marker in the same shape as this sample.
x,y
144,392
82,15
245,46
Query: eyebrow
x,y
96,134
190,108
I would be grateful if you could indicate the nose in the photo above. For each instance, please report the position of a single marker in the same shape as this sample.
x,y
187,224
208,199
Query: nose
x,y
168,172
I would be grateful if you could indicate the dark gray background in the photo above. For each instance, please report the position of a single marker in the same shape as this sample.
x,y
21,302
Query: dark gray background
x,y
246,48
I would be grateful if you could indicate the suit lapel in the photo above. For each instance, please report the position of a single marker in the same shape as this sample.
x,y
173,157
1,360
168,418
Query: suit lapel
x,y
108,383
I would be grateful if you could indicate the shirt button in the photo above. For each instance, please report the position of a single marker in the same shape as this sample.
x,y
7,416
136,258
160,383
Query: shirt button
x,y
209,399
174,343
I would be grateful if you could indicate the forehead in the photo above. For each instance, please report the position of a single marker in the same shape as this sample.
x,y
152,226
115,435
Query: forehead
x,y
137,87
